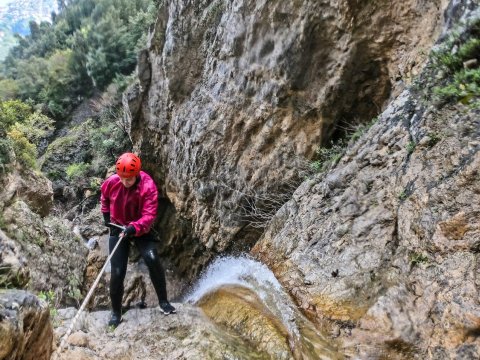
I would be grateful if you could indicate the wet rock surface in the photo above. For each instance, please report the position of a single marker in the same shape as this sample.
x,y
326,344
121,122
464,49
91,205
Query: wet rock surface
x,y
383,249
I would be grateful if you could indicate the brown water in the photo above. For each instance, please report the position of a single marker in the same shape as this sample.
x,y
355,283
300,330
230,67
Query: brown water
x,y
244,299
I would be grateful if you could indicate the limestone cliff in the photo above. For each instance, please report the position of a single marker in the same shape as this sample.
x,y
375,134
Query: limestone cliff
x,y
233,96
383,249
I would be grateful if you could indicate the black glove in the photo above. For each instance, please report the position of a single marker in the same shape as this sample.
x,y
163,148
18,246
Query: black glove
x,y
129,230
106,219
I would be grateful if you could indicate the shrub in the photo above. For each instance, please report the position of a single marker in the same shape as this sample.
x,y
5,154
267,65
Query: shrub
x,y
8,89
35,127
411,147
6,148
459,83
77,171
328,157
11,112
25,151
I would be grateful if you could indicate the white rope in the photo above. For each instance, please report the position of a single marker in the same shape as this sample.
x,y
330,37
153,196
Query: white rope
x,y
89,295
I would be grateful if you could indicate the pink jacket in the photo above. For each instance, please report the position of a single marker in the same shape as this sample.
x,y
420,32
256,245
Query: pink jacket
x,y
135,206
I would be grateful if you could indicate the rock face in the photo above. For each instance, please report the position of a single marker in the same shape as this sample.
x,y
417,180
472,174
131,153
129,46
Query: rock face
x,y
30,187
38,252
240,92
148,334
243,312
383,249
25,329
387,242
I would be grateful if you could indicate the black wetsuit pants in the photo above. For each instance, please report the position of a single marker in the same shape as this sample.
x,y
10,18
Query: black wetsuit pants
x,y
146,246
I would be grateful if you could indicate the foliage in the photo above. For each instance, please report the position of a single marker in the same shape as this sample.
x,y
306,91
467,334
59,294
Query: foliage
x,y
403,195
74,288
21,130
327,157
50,297
77,171
360,130
26,151
433,139
89,44
6,148
8,89
95,184
9,278
417,258
11,112
458,59
411,147
35,127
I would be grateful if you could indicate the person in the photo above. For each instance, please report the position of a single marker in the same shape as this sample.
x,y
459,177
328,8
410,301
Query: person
x,y
129,199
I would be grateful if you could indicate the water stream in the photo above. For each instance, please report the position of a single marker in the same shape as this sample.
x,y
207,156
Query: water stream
x,y
252,284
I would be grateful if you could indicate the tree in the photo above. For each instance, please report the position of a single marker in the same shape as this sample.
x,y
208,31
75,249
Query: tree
x,y
11,112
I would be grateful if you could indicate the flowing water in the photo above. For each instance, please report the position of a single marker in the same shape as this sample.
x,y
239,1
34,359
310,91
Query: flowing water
x,y
249,287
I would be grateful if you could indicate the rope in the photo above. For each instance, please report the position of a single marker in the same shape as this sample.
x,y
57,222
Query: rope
x,y
89,295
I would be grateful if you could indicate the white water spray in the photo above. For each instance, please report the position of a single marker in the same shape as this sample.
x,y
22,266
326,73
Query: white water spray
x,y
251,274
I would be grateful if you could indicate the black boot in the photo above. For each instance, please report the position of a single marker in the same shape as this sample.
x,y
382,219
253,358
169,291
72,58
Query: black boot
x,y
167,308
115,319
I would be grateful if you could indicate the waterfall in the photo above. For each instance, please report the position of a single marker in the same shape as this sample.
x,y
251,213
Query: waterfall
x,y
249,273
245,272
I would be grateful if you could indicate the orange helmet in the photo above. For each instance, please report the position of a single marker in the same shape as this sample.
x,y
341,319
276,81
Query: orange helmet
x,y
128,165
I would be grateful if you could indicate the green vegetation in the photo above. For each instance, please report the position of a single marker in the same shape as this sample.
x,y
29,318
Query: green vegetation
x,y
458,60
87,46
10,279
26,152
50,297
74,289
327,157
360,130
84,154
90,45
77,171
433,139
95,184
21,130
417,258
411,147
403,195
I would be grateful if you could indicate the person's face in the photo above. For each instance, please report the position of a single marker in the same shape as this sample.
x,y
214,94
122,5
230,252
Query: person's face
x,y
128,182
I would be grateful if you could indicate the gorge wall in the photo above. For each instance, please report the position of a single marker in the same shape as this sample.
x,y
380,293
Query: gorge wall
x,y
234,96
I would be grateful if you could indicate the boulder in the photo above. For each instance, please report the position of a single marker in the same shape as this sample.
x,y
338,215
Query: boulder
x,y
25,329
